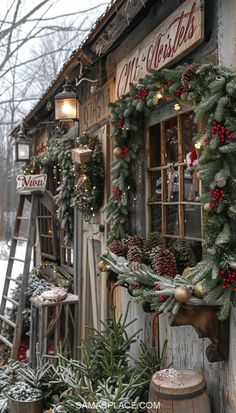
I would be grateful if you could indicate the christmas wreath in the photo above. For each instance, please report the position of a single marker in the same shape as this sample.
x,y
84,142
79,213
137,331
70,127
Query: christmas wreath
x,y
212,92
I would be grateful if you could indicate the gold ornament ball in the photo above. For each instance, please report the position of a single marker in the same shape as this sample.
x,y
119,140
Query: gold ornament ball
x,y
198,176
106,267
198,290
117,152
182,294
206,207
101,265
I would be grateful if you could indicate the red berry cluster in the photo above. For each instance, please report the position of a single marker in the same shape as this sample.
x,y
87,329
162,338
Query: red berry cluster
x,y
218,196
180,91
117,192
222,132
166,84
228,278
125,149
142,93
162,297
120,123
137,286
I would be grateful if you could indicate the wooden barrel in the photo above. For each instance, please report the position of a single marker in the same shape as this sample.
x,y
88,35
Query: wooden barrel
x,y
183,391
16,406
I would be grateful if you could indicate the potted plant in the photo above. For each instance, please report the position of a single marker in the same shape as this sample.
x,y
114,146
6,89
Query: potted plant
x,y
23,398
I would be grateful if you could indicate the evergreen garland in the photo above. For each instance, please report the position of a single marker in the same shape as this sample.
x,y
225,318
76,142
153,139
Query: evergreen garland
x,y
87,194
212,91
58,156
89,188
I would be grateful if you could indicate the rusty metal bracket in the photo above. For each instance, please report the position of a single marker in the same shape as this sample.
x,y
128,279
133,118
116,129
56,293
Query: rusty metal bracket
x,y
204,320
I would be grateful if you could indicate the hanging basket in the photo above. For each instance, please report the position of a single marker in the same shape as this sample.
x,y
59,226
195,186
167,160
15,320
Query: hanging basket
x,y
81,155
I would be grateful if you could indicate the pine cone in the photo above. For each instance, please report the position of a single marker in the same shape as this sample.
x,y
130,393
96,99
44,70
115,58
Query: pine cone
x,y
189,73
117,248
134,254
154,239
136,240
183,253
163,262
125,244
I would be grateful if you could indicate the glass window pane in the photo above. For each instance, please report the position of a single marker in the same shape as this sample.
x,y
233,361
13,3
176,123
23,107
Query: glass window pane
x,y
191,186
155,217
172,216
192,214
171,193
155,146
171,137
189,132
156,186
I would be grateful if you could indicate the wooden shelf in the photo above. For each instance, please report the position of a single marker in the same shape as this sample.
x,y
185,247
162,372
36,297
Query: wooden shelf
x,y
204,320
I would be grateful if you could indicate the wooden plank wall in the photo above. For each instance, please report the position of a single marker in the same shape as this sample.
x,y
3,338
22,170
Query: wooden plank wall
x,y
186,350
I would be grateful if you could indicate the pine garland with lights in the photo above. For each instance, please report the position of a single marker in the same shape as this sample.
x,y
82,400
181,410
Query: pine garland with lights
x,y
89,190
212,91
148,286
58,156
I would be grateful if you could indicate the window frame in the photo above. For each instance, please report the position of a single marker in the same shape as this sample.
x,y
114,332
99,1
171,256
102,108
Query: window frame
x,y
160,117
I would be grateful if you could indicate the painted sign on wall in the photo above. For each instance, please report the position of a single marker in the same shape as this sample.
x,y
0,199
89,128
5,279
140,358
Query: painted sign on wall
x,y
95,109
31,182
182,31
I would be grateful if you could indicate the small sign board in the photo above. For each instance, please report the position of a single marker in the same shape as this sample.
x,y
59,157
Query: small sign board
x,y
31,182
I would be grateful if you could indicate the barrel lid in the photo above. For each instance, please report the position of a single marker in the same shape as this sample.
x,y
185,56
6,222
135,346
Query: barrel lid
x,y
171,381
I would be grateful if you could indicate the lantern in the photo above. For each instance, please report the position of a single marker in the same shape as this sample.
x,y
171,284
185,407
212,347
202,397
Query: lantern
x,y
66,104
22,147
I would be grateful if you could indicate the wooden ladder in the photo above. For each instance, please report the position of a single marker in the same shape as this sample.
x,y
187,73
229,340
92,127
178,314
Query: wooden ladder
x,y
33,197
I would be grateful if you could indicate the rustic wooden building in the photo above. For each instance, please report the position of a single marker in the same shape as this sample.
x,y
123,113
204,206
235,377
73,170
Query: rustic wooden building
x,y
132,38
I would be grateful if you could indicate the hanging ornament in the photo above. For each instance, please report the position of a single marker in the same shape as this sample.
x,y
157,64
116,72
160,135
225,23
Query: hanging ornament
x,y
192,159
137,286
182,294
118,152
207,207
198,290
102,266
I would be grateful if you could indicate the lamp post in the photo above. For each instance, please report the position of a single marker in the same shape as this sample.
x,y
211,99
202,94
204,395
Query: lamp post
x,y
22,147
66,104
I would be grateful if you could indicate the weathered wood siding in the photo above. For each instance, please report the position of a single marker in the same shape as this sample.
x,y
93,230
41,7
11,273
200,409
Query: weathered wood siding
x,y
184,348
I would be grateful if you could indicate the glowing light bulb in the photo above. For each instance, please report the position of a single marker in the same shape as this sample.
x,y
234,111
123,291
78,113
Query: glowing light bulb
x,y
66,108
198,144
159,95
177,106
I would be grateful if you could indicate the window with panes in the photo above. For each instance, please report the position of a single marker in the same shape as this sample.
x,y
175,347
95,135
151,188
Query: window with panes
x,y
173,188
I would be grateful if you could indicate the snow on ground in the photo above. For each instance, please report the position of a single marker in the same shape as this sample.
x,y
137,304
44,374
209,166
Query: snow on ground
x,y
17,266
